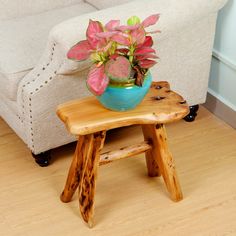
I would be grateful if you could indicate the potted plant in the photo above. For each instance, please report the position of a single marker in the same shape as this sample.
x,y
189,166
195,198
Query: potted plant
x,y
121,57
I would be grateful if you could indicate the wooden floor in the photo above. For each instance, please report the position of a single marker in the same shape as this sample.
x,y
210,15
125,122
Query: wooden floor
x,y
127,201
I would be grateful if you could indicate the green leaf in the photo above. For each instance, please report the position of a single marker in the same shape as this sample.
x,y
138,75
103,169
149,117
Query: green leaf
x,y
133,20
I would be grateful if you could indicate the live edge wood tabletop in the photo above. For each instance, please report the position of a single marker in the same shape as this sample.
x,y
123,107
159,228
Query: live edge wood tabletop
x,y
89,120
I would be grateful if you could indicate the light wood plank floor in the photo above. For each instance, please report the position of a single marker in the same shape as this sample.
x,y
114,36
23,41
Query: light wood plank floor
x,y
127,201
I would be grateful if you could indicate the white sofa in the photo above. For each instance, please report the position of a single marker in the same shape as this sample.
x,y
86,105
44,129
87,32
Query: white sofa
x,y
36,76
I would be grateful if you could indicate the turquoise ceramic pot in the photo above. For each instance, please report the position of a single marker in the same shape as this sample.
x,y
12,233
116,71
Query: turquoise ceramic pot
x,y
123,98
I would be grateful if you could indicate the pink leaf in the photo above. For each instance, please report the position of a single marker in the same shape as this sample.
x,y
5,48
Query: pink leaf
x,y
121,39
105,48
94,27
127,27
80,51
148,42
107,34
146,56
151,20
114,56
112,24
144,50
118,69
138,35
97,80
147,63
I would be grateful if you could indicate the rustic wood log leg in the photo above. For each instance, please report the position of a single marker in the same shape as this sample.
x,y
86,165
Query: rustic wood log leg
x,y
157,134
151,155
73,178
87,185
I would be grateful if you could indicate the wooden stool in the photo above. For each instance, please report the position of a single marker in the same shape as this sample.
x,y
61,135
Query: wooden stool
x,y
89,120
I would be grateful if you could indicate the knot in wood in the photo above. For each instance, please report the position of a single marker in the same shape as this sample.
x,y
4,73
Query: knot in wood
x,y
158,98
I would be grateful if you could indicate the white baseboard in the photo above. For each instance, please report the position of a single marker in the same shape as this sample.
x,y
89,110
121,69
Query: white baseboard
x,y
224,59
221,110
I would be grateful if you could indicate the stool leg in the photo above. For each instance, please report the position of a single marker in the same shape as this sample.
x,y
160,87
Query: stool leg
x,y
151,160
73,178
87,182
157,134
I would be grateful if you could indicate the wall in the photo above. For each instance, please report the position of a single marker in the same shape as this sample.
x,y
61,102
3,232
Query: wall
x,y
222,83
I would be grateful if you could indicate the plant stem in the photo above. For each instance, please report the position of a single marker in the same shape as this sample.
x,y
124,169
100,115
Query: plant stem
x,y
131,56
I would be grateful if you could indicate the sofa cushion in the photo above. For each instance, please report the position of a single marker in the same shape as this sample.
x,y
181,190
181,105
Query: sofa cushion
x,y
102,4
20,8
23,40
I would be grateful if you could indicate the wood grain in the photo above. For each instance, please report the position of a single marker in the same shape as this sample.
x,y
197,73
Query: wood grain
x,y
87,115
87,184
162,160
73,178
124,152
151,155
83,172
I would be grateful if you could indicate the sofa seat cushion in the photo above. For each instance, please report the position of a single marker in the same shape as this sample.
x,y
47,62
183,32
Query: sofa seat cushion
x,y
102,4
23,40
20,8
9,84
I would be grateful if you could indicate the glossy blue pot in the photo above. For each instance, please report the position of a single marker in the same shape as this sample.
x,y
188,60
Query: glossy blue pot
x,y
123,98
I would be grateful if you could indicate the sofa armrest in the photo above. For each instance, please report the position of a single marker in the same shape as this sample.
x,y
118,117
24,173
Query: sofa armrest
x,y
174,16
38,95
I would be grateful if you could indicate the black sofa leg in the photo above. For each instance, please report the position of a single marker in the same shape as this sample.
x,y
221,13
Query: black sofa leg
x,y
42,159
192,114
